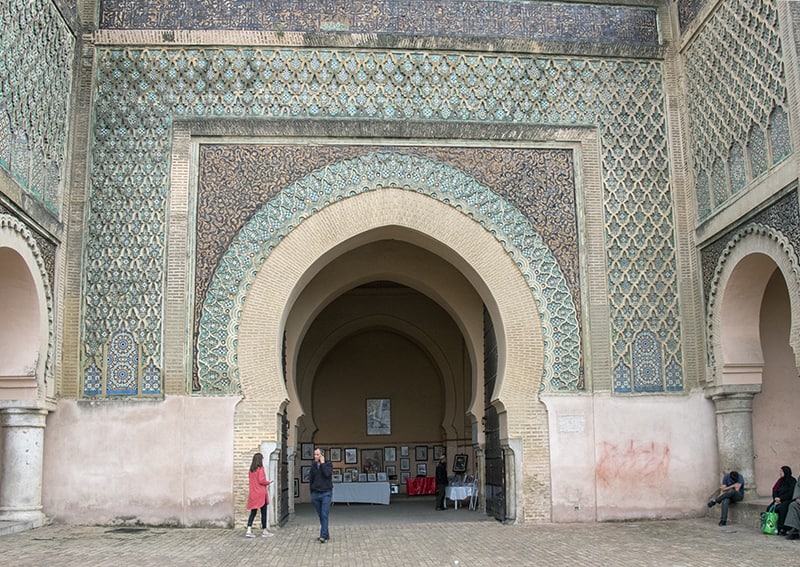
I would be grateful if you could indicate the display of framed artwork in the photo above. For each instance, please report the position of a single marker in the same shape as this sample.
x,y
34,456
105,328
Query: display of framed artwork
x,y
297,488
421,453
307,451
379,416
389,454
335,455
404,477
305,473
382,477
438,451
353,474
422,469
404,451
347,477
405,464
336,471
336,478
372,477
391,472
350,456
362,477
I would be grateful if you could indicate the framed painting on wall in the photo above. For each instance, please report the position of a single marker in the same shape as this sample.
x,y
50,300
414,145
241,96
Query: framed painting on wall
x,y
350,456
379,416
421,453
305,473
391,472
297,488
371,460
460,463
389,454
307,451
335,455
422,469
404,477
404,451
438,451
405,464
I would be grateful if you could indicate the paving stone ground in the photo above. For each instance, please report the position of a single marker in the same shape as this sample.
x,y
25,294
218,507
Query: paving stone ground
x,y
407,534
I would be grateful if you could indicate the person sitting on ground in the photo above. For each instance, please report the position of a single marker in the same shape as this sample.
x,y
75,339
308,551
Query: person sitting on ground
x,y
792,521
782,492
731,490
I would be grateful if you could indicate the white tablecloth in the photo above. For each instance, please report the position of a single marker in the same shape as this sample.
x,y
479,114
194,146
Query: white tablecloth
x,y
456,493
366,492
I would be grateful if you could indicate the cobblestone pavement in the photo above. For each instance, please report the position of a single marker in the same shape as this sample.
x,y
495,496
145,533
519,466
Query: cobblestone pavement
x,y
371,536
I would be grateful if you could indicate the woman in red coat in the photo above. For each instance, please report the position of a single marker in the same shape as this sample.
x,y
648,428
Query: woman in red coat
x,y
258,499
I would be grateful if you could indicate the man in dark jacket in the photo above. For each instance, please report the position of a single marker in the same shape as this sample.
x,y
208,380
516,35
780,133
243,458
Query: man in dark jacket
x,y
321,491
441,482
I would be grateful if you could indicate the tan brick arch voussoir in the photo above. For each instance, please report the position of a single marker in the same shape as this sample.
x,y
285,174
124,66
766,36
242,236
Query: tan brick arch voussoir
x,y
338,228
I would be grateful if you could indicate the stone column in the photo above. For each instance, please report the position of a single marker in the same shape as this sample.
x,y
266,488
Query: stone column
x,y
22,461
734,409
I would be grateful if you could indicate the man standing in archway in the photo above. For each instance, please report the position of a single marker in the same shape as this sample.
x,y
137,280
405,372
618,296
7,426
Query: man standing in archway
x,y
321,491
441,482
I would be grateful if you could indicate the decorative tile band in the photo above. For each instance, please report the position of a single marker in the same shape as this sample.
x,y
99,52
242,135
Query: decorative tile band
x,y
539,21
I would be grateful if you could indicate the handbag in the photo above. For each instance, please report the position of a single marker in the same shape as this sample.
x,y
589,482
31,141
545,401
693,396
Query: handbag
x,y
769,521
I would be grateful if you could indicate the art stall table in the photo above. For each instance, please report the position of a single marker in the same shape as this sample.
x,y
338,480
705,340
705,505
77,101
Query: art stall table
x,y
456,493
425,485
361,492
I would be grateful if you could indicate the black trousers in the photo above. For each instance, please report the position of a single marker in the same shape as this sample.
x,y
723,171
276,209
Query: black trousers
x,y
263,517
440,495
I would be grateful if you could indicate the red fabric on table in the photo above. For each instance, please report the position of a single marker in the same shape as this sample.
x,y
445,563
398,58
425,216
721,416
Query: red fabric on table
x,y
426,485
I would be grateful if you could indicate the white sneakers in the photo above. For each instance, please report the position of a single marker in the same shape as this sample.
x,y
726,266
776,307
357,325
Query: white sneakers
x,y
250,533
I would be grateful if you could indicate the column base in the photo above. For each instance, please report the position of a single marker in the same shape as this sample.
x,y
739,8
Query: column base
x,y
18,520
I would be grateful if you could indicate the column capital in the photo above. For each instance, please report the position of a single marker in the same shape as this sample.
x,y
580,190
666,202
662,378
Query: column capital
x,y
733,391
23,417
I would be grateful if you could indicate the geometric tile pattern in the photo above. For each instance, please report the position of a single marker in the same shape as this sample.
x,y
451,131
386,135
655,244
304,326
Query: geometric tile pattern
x,y
36,54
235,180
140,92
237,270
541,21
688,10
729,117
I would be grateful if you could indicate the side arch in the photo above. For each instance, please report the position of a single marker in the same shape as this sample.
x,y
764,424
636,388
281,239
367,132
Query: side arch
x,y
26,374
741,275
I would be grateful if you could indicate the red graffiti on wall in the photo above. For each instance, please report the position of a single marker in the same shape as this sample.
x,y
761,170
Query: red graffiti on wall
x,y
633,463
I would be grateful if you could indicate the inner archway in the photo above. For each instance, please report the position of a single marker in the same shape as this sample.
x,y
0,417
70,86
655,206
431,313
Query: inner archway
x,y
385,340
